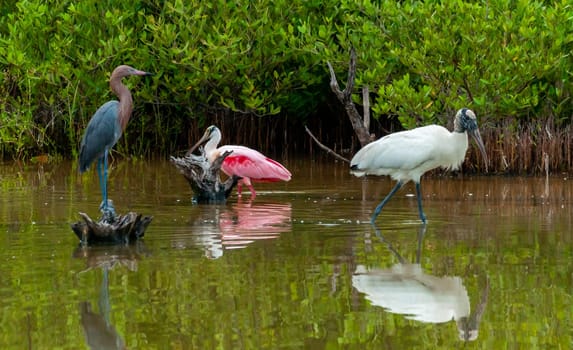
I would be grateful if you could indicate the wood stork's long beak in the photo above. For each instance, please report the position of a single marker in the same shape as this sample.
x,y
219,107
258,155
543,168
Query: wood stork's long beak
x,y
477,137
204,138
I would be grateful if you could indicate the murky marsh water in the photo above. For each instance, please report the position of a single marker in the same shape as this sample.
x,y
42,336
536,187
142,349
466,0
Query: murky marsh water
x,y
299,267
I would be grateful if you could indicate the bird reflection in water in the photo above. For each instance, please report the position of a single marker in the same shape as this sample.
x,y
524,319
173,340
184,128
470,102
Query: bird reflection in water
x,y
243,224
406,289
99,332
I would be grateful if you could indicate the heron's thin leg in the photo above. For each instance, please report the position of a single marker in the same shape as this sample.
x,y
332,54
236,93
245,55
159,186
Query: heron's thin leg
x,y
105,179
419,196
384,201
101,180
102,173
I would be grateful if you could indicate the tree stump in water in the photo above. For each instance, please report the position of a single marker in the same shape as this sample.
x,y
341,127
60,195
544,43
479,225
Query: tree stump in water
x,y
203,177
111,228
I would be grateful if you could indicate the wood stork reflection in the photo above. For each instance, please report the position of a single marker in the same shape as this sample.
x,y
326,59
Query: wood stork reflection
x,y
406,289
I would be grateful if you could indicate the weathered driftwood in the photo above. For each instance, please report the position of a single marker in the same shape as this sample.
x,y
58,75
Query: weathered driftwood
x,y
111,229
203,177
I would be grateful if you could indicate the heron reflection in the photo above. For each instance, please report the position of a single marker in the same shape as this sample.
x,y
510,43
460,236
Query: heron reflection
x,y
407,290
99,331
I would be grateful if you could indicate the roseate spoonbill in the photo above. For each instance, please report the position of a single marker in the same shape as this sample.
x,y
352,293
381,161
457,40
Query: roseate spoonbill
x,y
248,164
407,155
105,128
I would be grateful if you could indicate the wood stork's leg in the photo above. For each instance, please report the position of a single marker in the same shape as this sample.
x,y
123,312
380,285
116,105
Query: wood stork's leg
x,y
384,201
419,196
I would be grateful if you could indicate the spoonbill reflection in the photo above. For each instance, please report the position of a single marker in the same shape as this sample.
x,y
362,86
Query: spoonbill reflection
x,y
244,162
406,289
407,155
242,225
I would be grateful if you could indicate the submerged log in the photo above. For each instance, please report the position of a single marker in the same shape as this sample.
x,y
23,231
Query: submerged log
x,y
203,177
111,228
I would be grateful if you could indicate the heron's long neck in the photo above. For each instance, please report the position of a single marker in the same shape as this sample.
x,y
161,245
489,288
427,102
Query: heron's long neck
x,y
125,100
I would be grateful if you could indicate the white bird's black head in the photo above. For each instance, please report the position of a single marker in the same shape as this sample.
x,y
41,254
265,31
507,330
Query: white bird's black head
x,y
465,121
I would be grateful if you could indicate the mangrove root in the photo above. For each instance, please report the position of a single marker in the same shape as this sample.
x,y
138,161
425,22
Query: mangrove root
x,y
203,177
121,229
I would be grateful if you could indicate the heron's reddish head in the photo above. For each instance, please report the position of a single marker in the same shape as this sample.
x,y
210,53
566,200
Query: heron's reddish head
x,y
125,70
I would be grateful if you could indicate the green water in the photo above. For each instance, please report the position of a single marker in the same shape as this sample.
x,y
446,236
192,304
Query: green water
x,y
299,267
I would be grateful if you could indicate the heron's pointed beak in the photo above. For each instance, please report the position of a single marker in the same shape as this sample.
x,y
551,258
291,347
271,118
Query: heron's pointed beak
x,y
477,137
140,72
204,138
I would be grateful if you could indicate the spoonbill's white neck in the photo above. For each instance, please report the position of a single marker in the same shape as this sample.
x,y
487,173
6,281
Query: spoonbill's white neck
x,y
214,140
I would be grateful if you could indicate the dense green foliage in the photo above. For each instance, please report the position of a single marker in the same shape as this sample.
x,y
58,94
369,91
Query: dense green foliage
x,y
508,60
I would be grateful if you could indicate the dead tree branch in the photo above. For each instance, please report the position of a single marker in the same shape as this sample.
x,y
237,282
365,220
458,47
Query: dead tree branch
x,y
360,125
345,97
366,107
328,150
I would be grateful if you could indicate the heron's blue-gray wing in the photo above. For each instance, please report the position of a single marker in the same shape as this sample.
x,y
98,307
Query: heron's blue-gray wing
x,y
102,133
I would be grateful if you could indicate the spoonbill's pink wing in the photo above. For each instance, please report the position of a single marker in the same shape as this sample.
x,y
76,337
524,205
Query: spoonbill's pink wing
x,y
248,163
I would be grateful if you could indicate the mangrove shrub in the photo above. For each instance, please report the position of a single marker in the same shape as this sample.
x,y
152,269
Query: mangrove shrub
x,y
508,60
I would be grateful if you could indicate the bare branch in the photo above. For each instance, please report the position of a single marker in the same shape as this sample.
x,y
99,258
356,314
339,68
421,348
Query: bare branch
x,y
345,97
328,150
366,106
334,83
351,75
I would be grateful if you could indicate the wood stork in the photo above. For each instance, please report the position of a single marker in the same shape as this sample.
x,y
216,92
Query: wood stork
x,y
407,155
